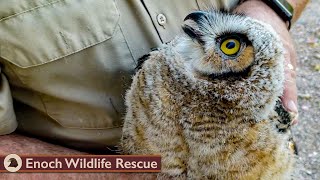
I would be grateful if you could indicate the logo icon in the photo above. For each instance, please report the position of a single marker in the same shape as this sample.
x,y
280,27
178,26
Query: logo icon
x,y
12,163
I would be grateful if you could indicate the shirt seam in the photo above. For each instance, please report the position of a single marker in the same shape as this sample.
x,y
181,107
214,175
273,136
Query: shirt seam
x,y
29,10
133,59
155,27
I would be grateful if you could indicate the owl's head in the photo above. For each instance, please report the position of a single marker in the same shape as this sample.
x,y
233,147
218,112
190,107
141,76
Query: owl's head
x,y
219,43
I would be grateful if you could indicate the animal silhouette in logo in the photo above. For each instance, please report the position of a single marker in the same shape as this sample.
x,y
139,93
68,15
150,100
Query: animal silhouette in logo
x,y
13,163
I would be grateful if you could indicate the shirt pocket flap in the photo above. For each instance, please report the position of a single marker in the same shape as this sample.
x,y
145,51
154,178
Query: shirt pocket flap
x,y
45,32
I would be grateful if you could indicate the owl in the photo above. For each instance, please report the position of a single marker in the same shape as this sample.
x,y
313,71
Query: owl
x,y
208,102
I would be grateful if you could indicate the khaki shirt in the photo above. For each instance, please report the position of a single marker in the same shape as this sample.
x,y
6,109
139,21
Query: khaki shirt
x,y
66,64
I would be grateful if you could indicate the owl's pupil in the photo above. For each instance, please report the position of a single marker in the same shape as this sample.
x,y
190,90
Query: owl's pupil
x,y
231,45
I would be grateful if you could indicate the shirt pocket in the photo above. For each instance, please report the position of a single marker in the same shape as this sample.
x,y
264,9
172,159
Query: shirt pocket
x,y
42,31
36,35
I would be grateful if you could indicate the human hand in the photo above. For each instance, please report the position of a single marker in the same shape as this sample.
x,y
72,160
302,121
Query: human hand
x,y
259,10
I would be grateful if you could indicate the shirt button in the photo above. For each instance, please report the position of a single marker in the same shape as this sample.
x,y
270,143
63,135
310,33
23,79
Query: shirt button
x,y
162,20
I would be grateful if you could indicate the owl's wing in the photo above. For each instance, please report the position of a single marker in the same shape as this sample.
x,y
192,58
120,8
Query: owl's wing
x,y
145,57
285,119
284,125
141,60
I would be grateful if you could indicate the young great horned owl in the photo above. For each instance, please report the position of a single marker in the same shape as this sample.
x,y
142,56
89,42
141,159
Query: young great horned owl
x,y
207,102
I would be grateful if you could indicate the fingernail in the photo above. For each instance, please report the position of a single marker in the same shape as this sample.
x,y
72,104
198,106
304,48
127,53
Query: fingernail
x,y
294,116
294,122
292,107
293,111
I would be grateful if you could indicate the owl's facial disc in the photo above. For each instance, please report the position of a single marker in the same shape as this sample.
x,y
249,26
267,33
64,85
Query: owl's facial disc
x,y
220,44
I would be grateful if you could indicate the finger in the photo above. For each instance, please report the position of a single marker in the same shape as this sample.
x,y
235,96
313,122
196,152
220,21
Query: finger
x,y
289,98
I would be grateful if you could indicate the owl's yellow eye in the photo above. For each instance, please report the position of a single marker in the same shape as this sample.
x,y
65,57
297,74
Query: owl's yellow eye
x,y
230,46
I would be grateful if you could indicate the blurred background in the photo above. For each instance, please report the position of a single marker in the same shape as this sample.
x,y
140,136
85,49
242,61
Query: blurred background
x,y
306,33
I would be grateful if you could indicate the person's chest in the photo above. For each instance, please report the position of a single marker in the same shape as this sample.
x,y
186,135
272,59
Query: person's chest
x,y
74,59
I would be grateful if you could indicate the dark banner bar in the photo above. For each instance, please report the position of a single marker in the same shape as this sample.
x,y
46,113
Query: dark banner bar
x,y
80,163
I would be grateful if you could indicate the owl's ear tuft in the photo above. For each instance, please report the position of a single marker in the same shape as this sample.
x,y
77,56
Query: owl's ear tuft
x,y
196,16
192,25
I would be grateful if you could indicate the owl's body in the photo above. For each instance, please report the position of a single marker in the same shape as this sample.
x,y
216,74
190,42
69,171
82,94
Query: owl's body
x,y
210,115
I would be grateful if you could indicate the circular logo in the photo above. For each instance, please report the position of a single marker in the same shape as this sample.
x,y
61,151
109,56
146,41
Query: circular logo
x,y
12,163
